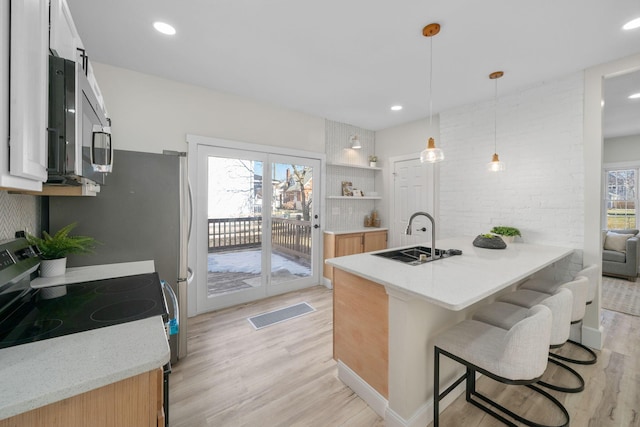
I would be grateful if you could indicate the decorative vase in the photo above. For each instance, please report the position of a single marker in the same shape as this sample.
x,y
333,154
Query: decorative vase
x,y
373,164
508,239
53,267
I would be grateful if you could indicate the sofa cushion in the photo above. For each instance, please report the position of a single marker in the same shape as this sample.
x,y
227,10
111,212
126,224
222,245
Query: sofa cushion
x,y
614,256
616,241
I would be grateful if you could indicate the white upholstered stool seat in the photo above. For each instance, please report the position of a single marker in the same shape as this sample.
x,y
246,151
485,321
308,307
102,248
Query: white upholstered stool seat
x,y
509,307
583,296
517,355
513,306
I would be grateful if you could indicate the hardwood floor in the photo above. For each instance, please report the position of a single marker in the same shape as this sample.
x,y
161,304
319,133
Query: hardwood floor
x,y
284,375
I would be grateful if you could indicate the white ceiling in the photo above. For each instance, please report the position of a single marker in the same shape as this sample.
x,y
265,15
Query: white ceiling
x,y
351,60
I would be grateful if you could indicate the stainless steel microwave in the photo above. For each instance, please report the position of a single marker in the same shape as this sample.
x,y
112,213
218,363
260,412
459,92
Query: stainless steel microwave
x,y
79,146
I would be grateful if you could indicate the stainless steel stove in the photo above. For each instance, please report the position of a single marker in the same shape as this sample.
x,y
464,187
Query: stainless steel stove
x,y
27,316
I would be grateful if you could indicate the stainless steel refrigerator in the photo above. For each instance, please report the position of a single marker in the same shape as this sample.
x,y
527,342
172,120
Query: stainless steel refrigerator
x,y
142,212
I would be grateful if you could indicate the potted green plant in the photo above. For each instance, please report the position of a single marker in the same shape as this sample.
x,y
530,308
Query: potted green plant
x,y
508,234
373,160
55,248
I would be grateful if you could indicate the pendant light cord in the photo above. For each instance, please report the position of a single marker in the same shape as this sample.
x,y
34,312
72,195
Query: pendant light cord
x,y
430,82
495,118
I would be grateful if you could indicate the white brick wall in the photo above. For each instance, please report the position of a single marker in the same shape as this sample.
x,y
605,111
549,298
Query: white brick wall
x,y
539,137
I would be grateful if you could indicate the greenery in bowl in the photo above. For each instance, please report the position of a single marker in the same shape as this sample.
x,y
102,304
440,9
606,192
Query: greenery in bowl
x,y
62,244
506,231
373,158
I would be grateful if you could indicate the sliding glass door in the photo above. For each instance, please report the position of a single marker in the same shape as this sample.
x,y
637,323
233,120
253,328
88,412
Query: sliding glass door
x,y
257,221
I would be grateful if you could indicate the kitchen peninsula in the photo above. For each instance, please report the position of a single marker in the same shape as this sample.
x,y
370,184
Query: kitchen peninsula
x,y
386,314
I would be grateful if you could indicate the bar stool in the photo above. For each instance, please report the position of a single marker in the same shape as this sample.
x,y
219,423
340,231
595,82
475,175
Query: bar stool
x,y
515,356
591,272
513,306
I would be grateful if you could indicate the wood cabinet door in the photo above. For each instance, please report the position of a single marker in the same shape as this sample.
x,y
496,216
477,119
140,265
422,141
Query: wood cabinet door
x,y
375,241
349,244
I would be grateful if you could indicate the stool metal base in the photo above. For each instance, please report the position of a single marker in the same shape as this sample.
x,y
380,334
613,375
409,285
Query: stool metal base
x,y
593,357
562,388
471,393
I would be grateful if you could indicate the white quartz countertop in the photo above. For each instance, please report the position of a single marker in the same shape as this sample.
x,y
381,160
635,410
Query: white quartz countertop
x,y
43,372
458,281
356,230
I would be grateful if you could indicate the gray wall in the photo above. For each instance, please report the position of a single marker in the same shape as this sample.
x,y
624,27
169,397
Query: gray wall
x,y
622,149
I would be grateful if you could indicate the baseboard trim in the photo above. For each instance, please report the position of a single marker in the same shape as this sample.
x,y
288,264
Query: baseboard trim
x,y
420,418
375,400
593,337
327,283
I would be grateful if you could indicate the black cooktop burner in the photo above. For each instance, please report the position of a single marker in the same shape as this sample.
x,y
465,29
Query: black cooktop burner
x,y
123,310
86,306
29,332
123,284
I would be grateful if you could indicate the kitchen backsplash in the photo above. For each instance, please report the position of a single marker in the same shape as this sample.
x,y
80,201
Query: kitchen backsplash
x,y
18,212
345,214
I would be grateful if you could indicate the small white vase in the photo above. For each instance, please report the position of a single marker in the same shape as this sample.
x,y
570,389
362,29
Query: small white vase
x,y
372,164
508,239
53,267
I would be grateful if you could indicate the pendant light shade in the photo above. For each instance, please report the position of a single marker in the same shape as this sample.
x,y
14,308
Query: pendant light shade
x,y
495,165
431,154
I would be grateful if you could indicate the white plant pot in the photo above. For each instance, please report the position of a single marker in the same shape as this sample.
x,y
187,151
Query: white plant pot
x,y
508,239
53,267
372,164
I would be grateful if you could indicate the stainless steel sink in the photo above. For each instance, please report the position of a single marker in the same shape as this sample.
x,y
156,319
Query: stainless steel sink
x,y
417,255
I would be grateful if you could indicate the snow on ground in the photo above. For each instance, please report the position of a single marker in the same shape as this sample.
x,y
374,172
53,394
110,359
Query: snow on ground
x,y
250,262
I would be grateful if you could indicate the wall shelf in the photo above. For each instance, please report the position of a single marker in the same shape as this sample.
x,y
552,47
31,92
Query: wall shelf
x,y
355,198
346,165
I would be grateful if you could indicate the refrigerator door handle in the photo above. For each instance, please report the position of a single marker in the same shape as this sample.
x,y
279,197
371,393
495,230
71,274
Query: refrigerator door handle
x,y
190,216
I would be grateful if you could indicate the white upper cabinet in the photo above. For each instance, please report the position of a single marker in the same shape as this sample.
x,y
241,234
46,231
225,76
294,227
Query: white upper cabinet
x,y
28,95
64,40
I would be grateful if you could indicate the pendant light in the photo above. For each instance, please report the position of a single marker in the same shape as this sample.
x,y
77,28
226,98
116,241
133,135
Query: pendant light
x,y
431,154
495,165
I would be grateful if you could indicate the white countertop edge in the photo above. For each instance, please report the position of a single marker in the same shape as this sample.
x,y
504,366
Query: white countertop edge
x,y
33,377
395,270
356,230
95,272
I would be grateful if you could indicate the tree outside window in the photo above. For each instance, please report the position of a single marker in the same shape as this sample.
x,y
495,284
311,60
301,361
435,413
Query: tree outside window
x,y
621,198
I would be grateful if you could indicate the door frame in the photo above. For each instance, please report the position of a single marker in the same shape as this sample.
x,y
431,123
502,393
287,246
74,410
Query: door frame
x,y
193,142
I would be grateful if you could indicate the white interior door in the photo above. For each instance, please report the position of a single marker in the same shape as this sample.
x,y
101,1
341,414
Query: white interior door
x,y
257,225
412,191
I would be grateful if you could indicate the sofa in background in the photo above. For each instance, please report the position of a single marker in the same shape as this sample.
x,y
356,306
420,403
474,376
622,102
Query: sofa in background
x,y
620,254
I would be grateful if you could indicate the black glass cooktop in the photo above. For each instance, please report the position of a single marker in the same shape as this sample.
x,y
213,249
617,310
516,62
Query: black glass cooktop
x,y
86,306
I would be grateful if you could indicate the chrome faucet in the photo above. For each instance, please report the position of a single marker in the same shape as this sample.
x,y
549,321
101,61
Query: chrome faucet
x,y
433,231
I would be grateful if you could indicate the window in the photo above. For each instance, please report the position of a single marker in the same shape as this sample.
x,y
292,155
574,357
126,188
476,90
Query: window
x,y
621,198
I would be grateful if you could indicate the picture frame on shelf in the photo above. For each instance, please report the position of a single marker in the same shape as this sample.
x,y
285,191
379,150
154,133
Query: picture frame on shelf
x,y
347,188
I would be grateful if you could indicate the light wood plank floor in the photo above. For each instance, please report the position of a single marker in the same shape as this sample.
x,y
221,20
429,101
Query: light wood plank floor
x,y
284,375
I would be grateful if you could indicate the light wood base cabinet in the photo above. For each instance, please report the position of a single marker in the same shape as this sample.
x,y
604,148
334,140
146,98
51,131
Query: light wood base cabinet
x,y
135,401
336,245
361,328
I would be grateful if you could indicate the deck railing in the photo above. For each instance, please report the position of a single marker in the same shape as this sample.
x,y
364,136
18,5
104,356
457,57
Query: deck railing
x,y
289,236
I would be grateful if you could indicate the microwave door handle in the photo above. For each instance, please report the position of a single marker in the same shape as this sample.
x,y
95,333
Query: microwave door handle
x,y
56,157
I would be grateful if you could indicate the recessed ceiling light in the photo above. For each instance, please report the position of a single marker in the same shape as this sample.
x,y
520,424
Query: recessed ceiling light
x,y
164,28
631,25
635,96
396,108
